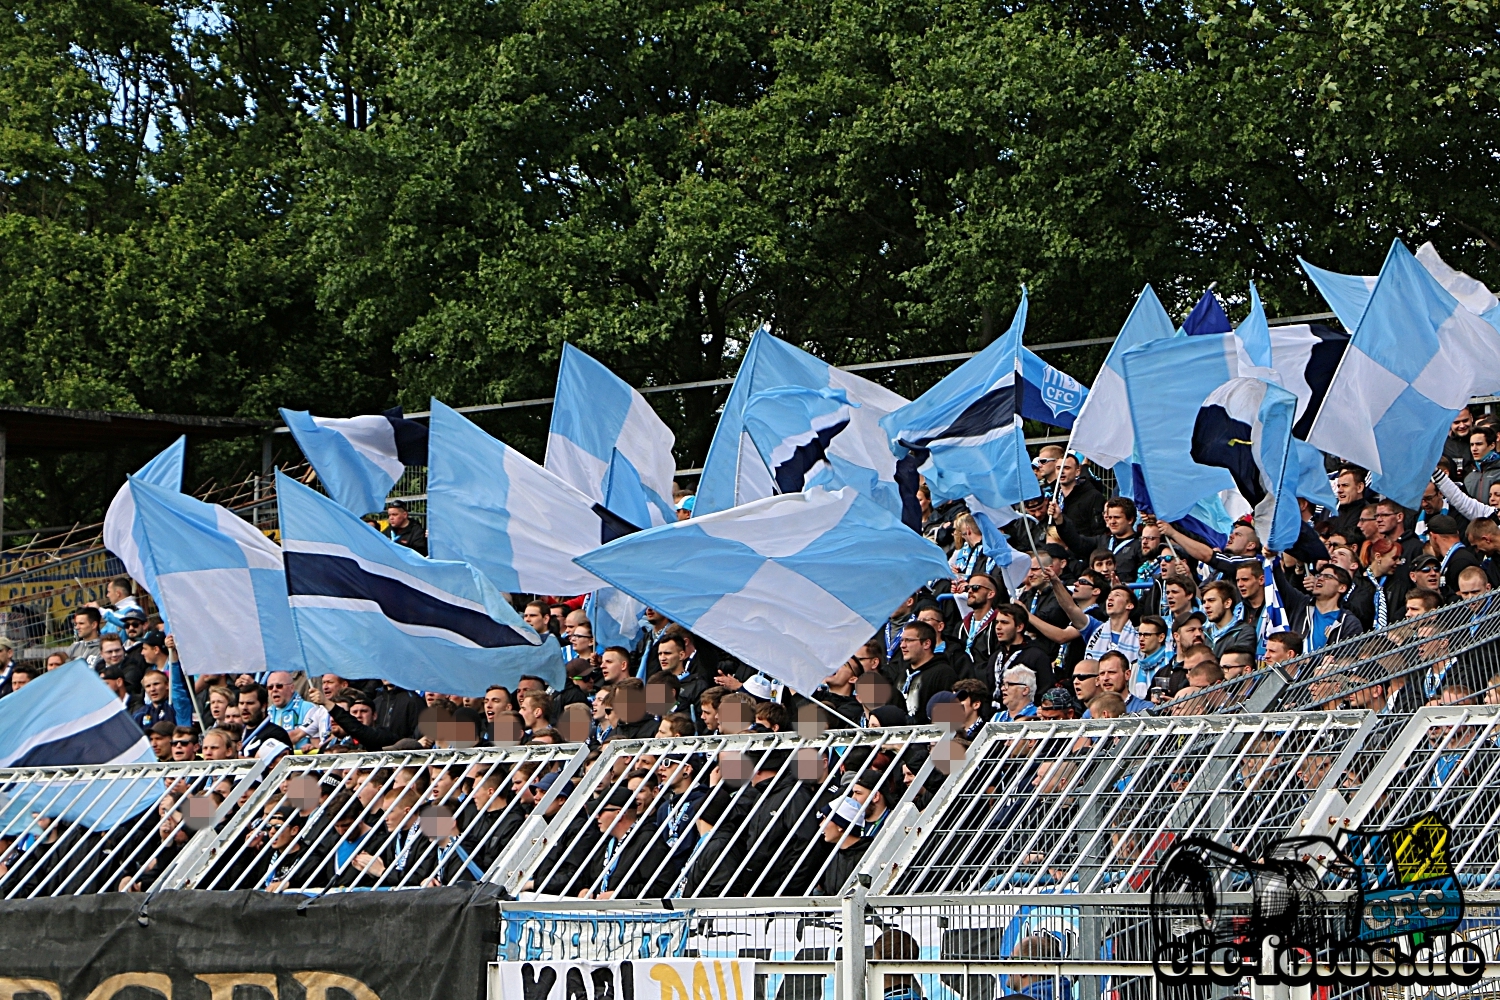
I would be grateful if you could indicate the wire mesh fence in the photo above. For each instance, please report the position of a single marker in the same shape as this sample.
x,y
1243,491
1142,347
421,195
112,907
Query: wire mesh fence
x,y
1091,806
384,820
767,815
109,827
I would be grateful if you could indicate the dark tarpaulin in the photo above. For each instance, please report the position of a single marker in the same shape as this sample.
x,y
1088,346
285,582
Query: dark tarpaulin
x,y
410,944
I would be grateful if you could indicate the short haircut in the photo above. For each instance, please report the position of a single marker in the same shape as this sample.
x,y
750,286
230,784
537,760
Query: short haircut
x,y
1225,590
970,689
1247,654
1359,474
1287,640
666,680
1484,429
1100,555
541,699
738,698
498,687
1024,675
617,649
773,715
92,614
1342,575
1207,669
1198,650
1430,598
1156,621
125,583
1129,594
110,637
1391,505
1106,704
541,606
925,632
31,670
1091,578
1015,612
185,731
1471,572
988,579
1122,503
1482,527
148,673
678,636
680,724
712,696
256,688
1115,654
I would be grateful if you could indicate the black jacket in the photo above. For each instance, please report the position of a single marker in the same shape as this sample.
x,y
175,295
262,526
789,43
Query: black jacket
x,y
1084,508
1027,654
1127,554
368,737
397,710
1361,600
413,536
1460,558
936,676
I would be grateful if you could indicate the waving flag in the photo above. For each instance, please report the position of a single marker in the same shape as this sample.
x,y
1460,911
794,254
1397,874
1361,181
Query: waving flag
x,y
363,603
608,443
734,472
1103,431
1048,394
359,459
1417,356
219,580
69,716
791,584
792,427
1207,317
1348,295
964,434
1245,426
497,510
122,528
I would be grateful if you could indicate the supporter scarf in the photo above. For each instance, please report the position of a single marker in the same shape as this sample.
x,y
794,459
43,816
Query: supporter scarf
x,y
1146,668
974,628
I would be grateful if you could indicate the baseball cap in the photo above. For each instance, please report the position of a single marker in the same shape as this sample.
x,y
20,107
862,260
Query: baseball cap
x,y
132,615
1188,616
6,643
617,799
846,813
1442,524
545,782
1059,698
114,673
268,750
687,503
154,638
1425,561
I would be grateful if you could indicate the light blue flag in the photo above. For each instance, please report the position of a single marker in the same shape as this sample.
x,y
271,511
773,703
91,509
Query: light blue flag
x,y
360,602
1167,382
1417,356
220,580
1102,431
1048,394
359,459
607,441
1348,295
514,521
122,529
1245,426
792,585
734,472
792,428
964,434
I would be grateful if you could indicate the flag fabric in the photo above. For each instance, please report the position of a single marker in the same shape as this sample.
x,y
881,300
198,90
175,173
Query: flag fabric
x,y
734,473
1245,426
1103,431
219,581
1348,295
792,427
1049,395
1416,357
122,528
359,459
1206,318
362,603
964,434
497,510
1012,564
608,443
792,584
1167,383
617,618
69,716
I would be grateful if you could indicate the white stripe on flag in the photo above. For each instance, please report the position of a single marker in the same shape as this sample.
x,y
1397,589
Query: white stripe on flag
x,y
370,607
381,569
71,728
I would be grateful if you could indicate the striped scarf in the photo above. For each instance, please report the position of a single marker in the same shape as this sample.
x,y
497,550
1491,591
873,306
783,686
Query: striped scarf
x,y
1274,618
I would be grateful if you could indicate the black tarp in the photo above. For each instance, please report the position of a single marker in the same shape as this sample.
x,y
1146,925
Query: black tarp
x,y
411,944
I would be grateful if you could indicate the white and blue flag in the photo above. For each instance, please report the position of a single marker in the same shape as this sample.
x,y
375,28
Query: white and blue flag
x,y
122,528
964,435
1102,431
792,428
359,459
608,442
1048,394
1416,357
1167,383
734,473
69,716
497,510
792,584
1245,426
361,602
219,580
1348,295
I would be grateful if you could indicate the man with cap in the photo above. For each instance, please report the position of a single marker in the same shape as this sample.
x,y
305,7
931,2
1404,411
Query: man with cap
x,y
685,507
1058,704
1453,555
403,529
676,812
628,856
1426,574
114,679
160,735
842,828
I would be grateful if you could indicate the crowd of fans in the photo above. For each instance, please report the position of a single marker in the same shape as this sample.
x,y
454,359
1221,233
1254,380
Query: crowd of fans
x,y
1118,614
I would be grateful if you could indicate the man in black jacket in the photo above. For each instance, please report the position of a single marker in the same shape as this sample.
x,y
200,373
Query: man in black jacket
x,y
352,715
977,645
629,856
1014,649
397,710
1120,540
1079,500
926,674
1455,556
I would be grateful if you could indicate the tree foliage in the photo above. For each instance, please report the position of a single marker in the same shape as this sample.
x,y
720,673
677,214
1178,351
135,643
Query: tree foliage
x,y
220,208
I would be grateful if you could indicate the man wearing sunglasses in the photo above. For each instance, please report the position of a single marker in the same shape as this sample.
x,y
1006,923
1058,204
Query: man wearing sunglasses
x,y
977,643
184,743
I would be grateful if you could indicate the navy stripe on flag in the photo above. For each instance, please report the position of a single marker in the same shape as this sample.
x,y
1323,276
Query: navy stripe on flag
x,y
995,409
1321,364
612,525
313,574
94,745
411,438
791,475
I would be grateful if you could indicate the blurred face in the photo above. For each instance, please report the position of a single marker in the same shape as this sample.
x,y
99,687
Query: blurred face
x,y
155,686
